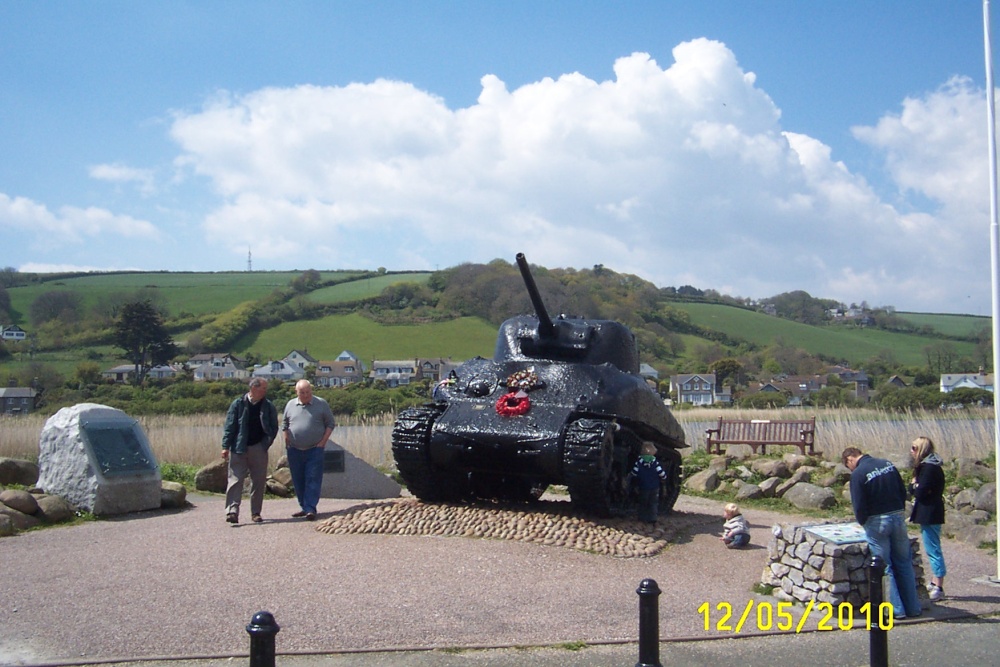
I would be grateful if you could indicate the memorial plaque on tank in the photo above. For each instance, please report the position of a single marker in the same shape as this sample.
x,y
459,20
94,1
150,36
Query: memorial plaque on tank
x,y
118,447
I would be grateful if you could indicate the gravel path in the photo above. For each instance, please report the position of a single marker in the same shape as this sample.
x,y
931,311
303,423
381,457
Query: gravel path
x,y
184,583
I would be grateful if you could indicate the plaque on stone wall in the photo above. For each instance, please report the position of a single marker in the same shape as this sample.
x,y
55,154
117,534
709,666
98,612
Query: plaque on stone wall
x,y
838,533
333,460
118,447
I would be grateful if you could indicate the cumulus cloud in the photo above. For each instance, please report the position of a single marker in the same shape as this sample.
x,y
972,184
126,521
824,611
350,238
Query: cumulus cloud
x,y
119,173
70,224
680,174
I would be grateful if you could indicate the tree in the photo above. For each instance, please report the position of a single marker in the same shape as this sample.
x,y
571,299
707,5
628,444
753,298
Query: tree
x,y
941,357
62,305
4,305
87,372
140,333
728,369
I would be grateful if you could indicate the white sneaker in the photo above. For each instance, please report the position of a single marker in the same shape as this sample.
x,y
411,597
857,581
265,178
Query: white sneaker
x,y
935,592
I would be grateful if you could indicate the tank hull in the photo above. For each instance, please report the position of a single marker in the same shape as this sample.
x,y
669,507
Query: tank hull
x,y
561,402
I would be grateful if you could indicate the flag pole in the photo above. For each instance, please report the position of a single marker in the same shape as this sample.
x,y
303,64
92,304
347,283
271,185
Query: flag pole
x,y
994,251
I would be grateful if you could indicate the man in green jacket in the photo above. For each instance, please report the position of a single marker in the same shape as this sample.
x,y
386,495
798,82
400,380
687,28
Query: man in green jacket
x,y
251,426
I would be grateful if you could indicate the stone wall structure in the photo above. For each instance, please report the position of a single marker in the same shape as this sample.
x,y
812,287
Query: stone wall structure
x,y
803,566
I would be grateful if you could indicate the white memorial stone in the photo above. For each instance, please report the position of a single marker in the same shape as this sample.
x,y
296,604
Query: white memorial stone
x,y
98,459
347,476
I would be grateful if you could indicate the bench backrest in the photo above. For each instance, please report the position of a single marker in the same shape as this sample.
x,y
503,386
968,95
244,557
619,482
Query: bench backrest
x,y
760,430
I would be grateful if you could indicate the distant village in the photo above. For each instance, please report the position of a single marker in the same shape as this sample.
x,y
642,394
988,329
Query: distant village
x,y
694,389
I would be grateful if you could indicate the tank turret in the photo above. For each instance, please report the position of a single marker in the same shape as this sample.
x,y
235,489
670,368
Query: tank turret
x,y
561,402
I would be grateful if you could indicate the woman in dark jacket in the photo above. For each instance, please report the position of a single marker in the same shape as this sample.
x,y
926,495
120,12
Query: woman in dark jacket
x,y
927,490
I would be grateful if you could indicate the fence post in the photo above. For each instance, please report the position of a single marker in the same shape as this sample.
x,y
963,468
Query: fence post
x,y
262,629
878,638
649,624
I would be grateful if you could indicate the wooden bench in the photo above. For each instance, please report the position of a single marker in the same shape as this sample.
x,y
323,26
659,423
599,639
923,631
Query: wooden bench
x,y
761,433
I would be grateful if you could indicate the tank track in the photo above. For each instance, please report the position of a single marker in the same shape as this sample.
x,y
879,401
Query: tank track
x,y
670,489
595,482
411,437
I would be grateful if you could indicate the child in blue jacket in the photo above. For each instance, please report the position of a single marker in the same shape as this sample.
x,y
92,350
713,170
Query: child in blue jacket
x,y
648,472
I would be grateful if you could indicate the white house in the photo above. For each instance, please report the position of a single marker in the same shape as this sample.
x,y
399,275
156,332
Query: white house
x,y
980,380
694,388
12,333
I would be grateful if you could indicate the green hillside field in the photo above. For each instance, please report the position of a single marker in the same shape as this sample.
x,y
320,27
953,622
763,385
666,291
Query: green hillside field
x,y
327,337
195,293
363,289
949,325
848,344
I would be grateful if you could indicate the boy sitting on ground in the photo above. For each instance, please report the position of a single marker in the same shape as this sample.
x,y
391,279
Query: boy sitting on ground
x,y
735,531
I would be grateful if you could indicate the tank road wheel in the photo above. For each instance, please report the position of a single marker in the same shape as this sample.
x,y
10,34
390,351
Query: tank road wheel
x,y
670,488
595,479
411,437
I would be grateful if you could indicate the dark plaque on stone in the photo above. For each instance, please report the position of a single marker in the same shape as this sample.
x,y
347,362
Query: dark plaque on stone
x,y
118,447
333,460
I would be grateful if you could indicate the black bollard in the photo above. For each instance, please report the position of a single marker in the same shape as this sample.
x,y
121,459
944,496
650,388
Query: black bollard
x,y
262,629
878,638
649,624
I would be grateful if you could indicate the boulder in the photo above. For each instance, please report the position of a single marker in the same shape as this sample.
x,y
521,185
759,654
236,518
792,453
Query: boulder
x,y
277,488
964,498
213,477
703,482
22,501
771,468
720,463
173,495
809,496
54,509
748,492
986,498
979,516
800,475
795,461
99,459
20,520
769,485
6,526
976,534
977,469
16,471
283,476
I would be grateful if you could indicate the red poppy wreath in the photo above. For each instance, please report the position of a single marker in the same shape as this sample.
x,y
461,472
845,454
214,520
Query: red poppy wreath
x,y
513,404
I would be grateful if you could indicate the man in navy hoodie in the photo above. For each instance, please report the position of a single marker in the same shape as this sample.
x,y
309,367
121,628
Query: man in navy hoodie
x,y
879,496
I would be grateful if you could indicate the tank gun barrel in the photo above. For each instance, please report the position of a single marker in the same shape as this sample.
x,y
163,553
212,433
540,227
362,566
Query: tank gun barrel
x,y
545,327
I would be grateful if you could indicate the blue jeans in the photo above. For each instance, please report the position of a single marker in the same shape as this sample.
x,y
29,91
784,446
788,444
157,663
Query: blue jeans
x,y
887,538
306,466
649,504
932,545
737,541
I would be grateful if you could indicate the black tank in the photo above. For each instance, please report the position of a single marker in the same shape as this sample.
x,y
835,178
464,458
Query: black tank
x,y
561,402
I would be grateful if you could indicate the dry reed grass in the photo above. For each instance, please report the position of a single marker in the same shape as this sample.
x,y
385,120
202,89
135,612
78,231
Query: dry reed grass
x,y
195,439
956,434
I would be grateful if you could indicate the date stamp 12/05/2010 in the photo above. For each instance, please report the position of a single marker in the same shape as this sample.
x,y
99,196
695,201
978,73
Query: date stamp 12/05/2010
x,y
780,616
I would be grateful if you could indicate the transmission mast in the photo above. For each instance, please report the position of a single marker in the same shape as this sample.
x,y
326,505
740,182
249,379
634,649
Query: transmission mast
x,y
249,261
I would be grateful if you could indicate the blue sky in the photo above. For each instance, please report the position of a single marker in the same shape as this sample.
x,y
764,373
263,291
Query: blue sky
x,y
749,147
